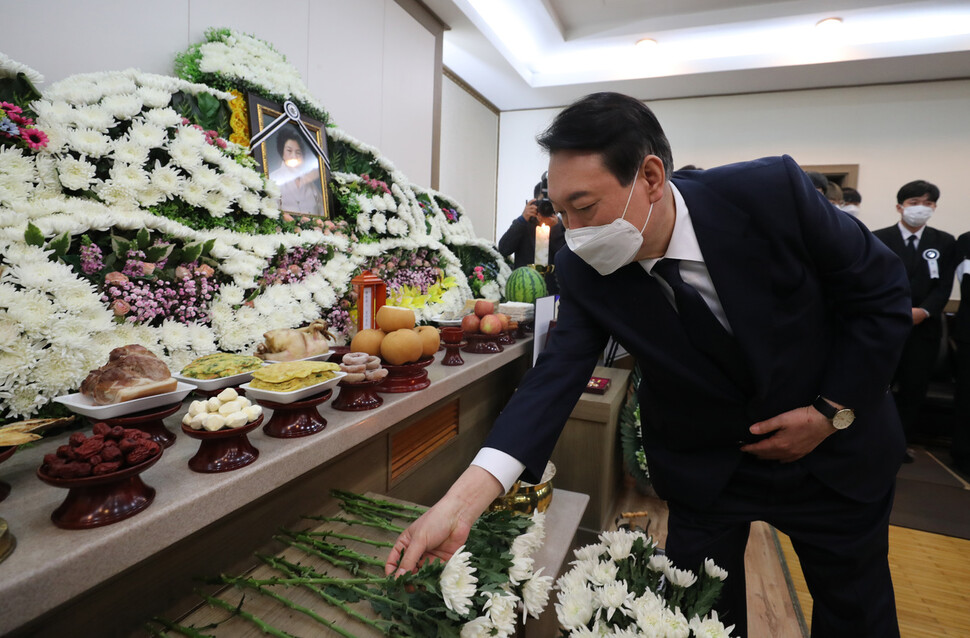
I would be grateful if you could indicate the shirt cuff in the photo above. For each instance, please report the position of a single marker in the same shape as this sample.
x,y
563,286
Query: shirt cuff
x,y
505,468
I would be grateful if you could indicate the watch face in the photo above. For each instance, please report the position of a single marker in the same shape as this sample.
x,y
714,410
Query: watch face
x,y
843,419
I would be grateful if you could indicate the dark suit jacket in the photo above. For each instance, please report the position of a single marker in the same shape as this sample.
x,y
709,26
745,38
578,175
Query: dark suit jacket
x,y
961,323
928,293
817,304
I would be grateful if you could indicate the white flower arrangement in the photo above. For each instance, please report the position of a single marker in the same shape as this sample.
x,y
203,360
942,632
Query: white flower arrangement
x,y
620,587
10,68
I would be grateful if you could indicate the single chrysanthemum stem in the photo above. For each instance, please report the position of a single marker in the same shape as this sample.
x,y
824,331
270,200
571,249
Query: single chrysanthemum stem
x,y
264,626
252,584
345,497
378,524
351,537
333,550
191,632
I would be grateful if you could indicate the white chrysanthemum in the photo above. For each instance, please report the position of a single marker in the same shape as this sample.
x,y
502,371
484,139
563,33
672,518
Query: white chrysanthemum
x,y
615,597
59,374
129,152
10,330
521,569
603,573
191,135
272,189
202,338
14,190
154,97
217,203
674,624
712,570
93,117
185,154
32,308
48,111
232,294
131,177
458,582
117,82
164,117
76,174
619,544
709,627
659,563
535,594
24,400
680,577
212,154
230,186
363,223
590,552
500,608
147,134
166,179
14,163
89,142
379,222
248,202
193,193
480,627
491,290
16,360
9,68
123,106
174,335
575,608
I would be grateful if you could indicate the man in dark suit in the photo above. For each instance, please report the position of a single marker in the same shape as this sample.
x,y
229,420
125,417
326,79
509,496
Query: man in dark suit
x,y
929,257
960,446
766,324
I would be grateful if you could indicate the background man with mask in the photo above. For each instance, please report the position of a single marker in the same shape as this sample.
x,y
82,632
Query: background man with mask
x,y
766,324
929,257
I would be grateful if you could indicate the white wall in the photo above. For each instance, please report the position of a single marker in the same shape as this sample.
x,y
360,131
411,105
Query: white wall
x,y
469,156
895,133
368,62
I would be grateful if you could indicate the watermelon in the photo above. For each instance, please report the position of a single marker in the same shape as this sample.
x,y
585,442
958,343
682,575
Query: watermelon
x,y
525,284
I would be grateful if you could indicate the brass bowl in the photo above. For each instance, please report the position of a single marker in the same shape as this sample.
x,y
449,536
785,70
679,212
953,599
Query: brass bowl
x,y
525,499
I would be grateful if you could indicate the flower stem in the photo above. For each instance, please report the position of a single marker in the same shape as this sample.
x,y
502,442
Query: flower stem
x,y
387,505
237,610
350,537
349,565
336,550
382,524
185,631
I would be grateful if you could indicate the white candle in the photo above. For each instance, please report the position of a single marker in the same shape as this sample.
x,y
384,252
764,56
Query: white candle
x,y
542,245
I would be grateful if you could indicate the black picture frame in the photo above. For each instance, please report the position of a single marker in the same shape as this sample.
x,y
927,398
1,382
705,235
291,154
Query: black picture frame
x,y
300,197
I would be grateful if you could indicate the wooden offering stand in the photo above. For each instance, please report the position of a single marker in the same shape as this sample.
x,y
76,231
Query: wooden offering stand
x,y
355,397
505,338
406,378
94,501
482,344
223,450
452,339
292,420
150,421
5,453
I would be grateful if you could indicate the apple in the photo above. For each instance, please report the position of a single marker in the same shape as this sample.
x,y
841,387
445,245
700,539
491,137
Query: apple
x,y
505,320
470,324
491,325
483,307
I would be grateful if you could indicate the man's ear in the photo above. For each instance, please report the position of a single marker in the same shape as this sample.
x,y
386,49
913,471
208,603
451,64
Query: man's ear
x,y
652,170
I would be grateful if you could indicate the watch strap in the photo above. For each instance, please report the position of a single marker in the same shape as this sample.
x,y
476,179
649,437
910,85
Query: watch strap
x,y
827,409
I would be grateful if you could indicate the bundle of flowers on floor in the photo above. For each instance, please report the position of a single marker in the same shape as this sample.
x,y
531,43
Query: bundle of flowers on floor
x,y
621,586
481,591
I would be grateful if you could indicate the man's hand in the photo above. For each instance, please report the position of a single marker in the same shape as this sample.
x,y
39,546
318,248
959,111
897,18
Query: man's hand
x,y
444,528
919,316
530,211
796,433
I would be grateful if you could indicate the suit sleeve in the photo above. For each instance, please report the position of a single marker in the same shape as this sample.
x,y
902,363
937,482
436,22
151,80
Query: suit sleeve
x,y
865,284
530,424
510,241
936,300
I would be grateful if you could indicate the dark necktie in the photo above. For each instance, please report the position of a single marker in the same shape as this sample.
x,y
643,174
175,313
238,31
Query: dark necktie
x,y
705,332
911,254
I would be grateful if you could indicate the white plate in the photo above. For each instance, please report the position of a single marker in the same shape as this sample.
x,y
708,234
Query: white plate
x,y
316,357
81,404
291,397
445,322
219,383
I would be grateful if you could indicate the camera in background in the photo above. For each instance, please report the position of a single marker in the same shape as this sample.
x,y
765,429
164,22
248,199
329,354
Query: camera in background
x,y
543,203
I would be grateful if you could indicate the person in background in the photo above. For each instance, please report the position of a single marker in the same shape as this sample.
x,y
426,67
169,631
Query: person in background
x,y
960,446
851,200
766,325
929,256
833,193
819,181
520,238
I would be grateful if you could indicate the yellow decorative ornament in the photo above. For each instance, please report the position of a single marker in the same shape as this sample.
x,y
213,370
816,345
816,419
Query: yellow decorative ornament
x,y
238,121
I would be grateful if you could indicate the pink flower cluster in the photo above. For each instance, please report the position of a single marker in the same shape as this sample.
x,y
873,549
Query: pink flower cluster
x,y
92,259
408,268
14,125
184,299
450,214
212,137
374,184
479,273
295,265
339,320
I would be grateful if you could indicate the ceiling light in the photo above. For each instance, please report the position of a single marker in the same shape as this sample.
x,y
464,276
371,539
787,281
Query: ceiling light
x,y
829,23
646,43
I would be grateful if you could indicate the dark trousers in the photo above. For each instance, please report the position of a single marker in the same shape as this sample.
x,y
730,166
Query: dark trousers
x,y
960,448
842,545
913,375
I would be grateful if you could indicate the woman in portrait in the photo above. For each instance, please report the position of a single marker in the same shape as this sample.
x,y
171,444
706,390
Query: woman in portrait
x,y
298,175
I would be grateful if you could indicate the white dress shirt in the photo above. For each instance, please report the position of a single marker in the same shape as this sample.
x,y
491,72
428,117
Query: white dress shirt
x,y
907,233
693,270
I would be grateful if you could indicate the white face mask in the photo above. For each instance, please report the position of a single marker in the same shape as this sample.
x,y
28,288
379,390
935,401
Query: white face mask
x,y
610,247
916,216
852,209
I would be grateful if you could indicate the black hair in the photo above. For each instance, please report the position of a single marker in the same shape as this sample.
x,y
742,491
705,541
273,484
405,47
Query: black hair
x,y
917,188
286,134
819,181
689,167
621,128
851,195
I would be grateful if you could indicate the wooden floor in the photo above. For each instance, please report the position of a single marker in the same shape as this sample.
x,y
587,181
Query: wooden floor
x,y
931,575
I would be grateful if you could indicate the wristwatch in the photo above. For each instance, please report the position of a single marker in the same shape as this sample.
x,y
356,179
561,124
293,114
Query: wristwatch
x,y
840,418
